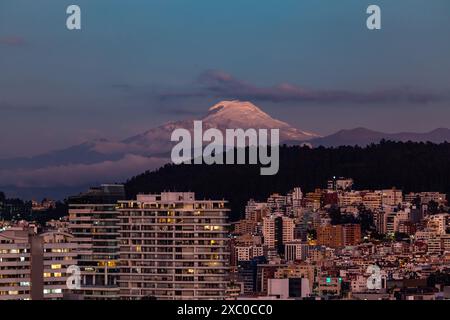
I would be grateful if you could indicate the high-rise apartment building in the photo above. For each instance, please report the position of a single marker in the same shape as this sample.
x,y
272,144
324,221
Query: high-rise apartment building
x,y
380,220
351,234
15,265
93,221
277,230
173,246
59,253
288,225
34,266
269,231
330,236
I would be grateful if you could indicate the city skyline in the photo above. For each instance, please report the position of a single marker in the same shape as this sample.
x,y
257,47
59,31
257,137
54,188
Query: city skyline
x,y
333,243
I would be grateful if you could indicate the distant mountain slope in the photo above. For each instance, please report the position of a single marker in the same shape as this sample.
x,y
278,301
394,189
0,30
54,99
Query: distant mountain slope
x,y
363,137
222,116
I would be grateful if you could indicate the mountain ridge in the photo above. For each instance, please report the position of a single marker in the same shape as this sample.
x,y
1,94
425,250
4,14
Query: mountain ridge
x,y
361,136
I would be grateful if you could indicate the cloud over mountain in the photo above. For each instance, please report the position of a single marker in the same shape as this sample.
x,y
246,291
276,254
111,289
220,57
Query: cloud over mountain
x,y
74,174
222,85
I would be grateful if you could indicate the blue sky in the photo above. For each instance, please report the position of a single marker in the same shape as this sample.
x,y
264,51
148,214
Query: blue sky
x,y
138,63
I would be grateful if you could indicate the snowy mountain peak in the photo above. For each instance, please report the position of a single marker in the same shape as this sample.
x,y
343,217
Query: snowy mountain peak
x,y
243,114
224,115
234,105
240,113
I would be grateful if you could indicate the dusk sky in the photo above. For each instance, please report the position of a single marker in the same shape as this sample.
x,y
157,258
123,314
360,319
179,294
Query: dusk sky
x,y
137,64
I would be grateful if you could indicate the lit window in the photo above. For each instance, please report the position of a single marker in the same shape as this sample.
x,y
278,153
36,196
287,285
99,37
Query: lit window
x,y
111,263
56,266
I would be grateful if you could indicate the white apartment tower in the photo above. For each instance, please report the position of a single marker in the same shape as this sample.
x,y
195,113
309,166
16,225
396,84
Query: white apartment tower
x,y
173,246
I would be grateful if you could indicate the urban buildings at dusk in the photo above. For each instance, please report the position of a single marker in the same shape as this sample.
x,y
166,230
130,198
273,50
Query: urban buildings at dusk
x,y
313,245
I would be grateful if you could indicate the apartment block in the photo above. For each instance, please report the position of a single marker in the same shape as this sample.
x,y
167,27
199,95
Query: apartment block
x,y
335,236
173,246
93,221
15,265
34,266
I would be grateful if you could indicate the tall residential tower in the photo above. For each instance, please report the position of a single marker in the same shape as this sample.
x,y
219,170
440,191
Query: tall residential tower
x,y
94,225
173,247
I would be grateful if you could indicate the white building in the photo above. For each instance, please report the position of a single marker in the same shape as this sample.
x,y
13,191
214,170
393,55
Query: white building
x,y
173,247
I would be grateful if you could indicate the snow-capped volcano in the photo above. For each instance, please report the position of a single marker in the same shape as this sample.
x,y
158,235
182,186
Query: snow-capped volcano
x,y
237,114
108,161
224,115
